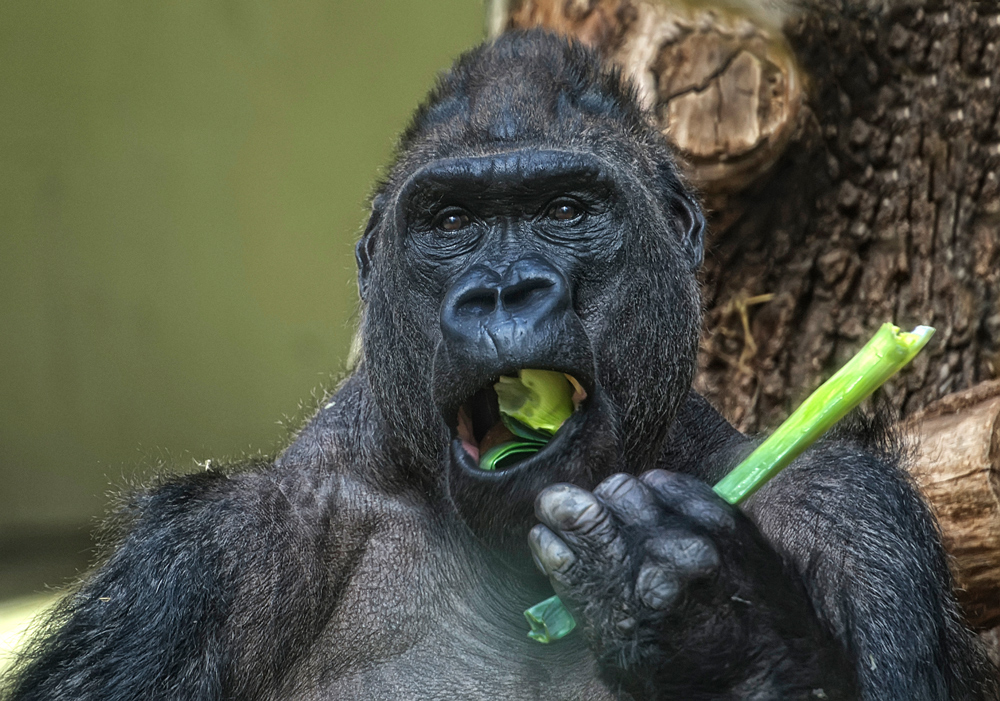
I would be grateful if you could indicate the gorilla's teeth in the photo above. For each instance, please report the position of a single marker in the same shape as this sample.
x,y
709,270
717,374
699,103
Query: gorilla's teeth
x,y
579,393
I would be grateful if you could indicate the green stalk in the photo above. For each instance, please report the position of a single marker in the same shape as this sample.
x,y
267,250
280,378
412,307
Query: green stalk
x,y
887,352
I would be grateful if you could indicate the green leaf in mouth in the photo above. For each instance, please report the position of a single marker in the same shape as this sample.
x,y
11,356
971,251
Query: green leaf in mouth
x,y
539,399
508,453
533,406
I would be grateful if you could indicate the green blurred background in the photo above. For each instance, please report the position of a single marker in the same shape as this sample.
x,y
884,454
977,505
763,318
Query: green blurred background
x,y
181,185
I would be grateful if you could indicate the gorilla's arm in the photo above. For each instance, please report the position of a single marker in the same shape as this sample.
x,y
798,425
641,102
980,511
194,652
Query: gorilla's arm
x,y
866,548
215,573
857,533
834,587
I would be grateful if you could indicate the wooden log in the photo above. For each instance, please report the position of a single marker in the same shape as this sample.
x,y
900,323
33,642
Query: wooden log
x,y
957,467
723,84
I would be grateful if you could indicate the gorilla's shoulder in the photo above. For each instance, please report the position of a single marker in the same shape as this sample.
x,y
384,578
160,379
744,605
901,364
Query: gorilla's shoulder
x,y
702,442
335,435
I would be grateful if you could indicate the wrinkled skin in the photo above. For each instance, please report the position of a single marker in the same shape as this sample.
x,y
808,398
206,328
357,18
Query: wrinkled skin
x,y
533,219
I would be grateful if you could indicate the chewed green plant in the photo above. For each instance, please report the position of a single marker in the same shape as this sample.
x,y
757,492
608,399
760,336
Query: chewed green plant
x,y
533,406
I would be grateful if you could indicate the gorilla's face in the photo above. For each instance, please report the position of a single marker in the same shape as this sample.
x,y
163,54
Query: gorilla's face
x,y
549,259
500,243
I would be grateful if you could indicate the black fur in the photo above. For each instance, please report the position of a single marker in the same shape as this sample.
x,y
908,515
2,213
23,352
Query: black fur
x,y
374,559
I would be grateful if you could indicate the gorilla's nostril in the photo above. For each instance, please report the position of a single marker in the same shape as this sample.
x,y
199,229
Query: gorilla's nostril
x,y
508,315
525,293
479,302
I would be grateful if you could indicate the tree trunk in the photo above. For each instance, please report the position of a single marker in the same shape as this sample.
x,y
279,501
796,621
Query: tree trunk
x,y
850,155
956,464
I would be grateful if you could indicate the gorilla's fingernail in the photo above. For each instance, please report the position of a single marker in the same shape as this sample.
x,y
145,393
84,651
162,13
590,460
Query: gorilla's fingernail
x,y
548,551
565,506
660,480
626,625
538,563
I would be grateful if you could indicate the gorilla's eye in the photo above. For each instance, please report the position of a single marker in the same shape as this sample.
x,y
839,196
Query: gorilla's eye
x,y
564,210
452,220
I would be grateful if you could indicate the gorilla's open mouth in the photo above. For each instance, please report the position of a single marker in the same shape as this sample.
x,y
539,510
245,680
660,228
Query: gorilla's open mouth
x,y
481,429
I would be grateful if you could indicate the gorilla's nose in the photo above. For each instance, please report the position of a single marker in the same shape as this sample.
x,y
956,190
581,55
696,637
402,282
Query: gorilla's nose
x,y
488,312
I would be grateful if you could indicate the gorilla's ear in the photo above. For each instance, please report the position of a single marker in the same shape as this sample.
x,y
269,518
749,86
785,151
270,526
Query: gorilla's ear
x,y
364,251
684,210
691,222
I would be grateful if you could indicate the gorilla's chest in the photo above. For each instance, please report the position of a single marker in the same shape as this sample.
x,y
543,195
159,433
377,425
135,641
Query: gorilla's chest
x,y
466,670
420,621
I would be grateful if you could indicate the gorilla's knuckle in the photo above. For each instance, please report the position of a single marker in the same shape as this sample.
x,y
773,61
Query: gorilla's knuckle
x,y
690,554
671,484
657,586
629,500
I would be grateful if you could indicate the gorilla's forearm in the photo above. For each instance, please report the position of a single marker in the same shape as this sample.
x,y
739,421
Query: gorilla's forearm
x,y
867,551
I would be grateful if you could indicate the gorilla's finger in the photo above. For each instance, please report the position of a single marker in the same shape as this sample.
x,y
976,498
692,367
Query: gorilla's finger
x,y
568,508
629,499
688,555
692,498
581,520
551,555
657,586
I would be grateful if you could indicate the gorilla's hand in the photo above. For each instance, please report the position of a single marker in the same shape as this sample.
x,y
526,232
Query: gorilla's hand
x,y
675,586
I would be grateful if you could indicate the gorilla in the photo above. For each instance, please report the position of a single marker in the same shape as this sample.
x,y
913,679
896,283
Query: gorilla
x,y
533,218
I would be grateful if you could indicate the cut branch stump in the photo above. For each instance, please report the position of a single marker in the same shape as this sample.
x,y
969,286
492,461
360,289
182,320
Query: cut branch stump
x,y
956,464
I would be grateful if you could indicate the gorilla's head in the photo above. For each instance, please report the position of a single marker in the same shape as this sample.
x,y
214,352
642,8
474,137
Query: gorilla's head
x,y
533,219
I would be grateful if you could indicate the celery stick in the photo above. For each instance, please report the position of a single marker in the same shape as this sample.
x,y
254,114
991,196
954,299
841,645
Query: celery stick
x,y
887,352
549,620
